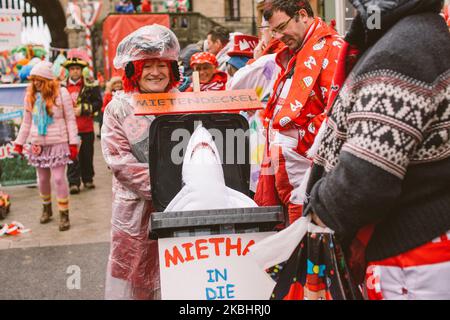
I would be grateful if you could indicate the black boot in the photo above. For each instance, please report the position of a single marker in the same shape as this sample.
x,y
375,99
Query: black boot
x,y
46,213
64,223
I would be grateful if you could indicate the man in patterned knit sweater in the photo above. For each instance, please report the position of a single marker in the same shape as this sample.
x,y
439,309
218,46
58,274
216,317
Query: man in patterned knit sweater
x,y
384,159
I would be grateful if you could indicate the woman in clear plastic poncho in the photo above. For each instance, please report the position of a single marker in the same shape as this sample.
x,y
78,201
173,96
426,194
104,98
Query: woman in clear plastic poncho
x,y
149,57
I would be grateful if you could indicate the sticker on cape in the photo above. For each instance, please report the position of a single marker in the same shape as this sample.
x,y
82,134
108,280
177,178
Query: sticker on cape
x,y
308,81
296,106
325,63
319,45
337,44
310,62
285,121
302,133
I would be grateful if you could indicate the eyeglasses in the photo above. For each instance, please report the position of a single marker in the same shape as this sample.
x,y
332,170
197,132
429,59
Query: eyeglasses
x,y
281,27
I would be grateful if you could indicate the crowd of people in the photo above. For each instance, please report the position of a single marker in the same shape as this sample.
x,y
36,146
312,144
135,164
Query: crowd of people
x,y
355,129
146,6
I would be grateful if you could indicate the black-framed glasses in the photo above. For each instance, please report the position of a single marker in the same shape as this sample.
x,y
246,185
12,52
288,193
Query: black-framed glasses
x,y
281,27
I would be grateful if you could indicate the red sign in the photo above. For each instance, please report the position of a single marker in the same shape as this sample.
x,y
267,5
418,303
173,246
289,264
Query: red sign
x,y
118,26
196,102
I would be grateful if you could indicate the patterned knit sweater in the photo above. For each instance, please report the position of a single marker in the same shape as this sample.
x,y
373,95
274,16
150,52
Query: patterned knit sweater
x,y
385,155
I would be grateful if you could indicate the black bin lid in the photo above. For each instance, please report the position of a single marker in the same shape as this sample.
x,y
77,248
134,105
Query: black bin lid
x,y
165,175
184,219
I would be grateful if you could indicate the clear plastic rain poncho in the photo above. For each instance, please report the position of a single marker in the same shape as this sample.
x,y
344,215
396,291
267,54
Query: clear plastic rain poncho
x,y
133,266
148,42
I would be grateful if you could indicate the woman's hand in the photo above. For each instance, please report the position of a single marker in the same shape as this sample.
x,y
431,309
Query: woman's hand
x,y
18,148
315,218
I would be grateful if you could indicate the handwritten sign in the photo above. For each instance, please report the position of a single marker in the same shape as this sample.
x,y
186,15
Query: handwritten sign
x,y
212,268
196,102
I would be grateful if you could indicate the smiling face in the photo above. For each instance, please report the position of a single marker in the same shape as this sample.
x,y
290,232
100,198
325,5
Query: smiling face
x,y
205,71
116,86
155,76
38,84
290,30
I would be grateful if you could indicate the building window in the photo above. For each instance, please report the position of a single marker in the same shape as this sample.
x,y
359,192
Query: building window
x,y
232,10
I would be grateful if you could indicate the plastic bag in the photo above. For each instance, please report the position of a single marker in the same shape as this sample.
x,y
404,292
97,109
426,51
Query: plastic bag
x,y
316,270
311,264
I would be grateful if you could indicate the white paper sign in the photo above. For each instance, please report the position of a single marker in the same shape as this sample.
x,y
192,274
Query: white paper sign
x,y
212,268
10,28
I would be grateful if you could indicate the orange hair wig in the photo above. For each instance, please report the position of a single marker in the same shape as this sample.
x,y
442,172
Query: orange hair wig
x,y
49,92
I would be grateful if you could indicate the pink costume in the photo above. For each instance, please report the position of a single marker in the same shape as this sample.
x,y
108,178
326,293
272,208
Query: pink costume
x,y
50,153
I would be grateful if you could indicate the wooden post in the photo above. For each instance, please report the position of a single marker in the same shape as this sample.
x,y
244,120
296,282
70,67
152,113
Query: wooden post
x,y
196,81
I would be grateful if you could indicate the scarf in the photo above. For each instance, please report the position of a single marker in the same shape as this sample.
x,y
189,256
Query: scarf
x,y
40,116
217,83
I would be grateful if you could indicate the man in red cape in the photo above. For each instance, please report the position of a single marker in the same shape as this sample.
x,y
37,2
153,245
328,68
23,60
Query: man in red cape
x,y
294,113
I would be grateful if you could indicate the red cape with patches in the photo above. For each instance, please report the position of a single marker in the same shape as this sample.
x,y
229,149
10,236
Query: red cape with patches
x,y
302,89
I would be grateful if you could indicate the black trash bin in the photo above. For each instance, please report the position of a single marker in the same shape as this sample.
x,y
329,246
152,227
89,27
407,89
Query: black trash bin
x,y
203,253
166,180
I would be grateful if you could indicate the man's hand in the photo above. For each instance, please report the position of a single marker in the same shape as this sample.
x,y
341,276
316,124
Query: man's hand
x,y
315,218
258,51
78,111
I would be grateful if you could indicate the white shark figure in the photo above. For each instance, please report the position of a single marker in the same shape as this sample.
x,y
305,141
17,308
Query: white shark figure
x,y
204,184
